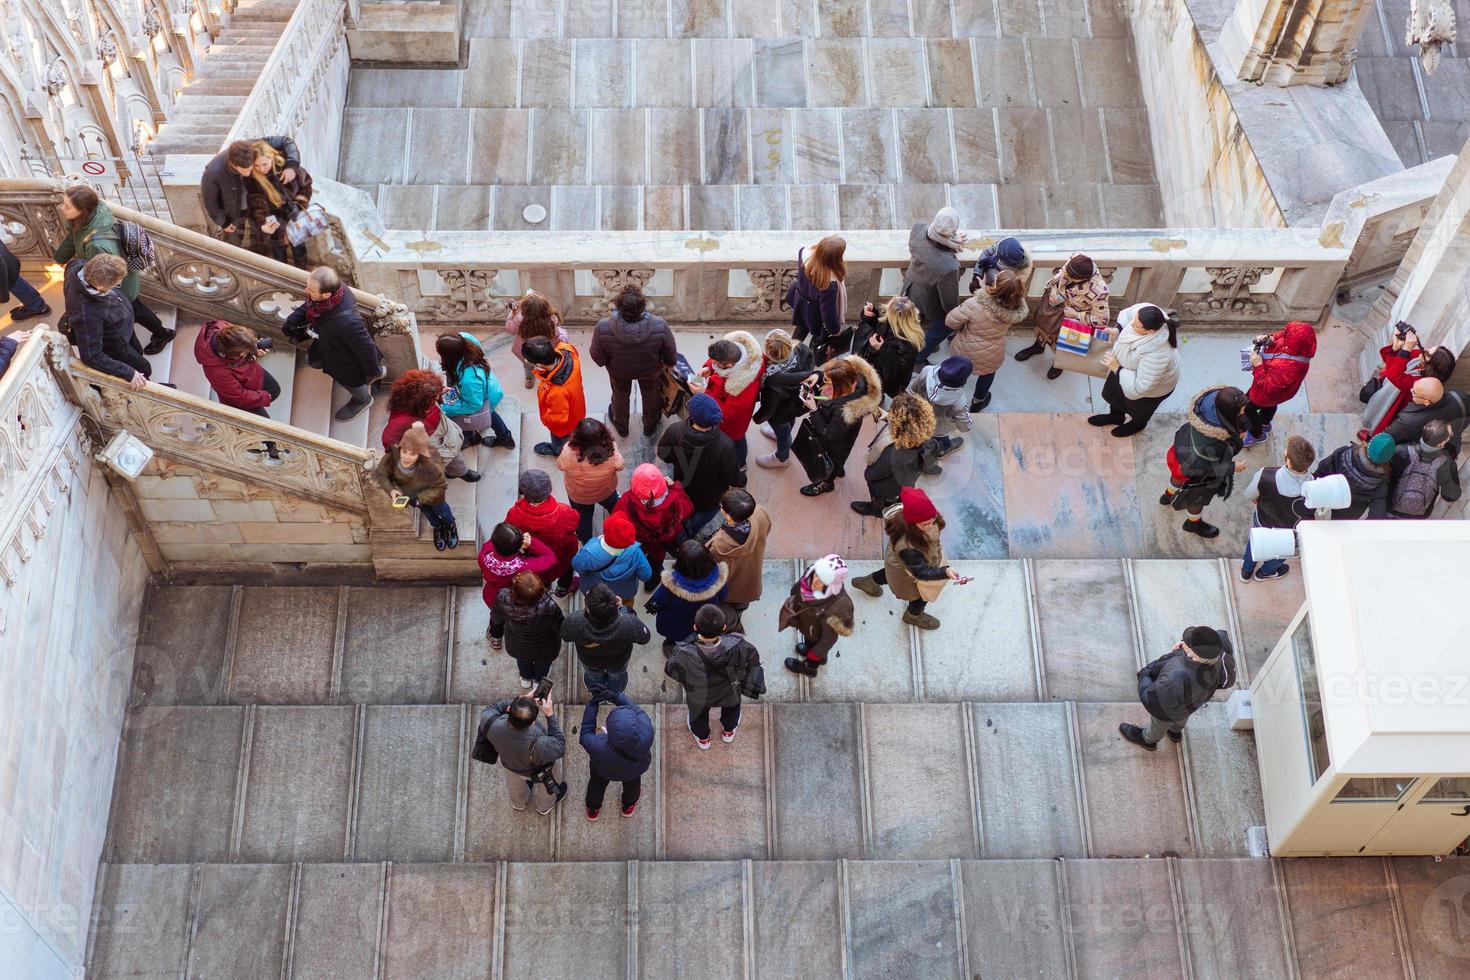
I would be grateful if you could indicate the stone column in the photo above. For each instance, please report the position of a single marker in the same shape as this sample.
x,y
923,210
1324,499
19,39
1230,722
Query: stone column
x,y
1294,42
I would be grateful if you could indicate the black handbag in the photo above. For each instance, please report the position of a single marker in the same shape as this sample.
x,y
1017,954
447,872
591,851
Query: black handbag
x,y
753,684
811,453
1370,388
483,750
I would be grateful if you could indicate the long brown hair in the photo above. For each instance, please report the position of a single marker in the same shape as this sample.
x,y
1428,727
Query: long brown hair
x,y
1007,289
456,355
842,375
902,534
237,343
823,262
84,199
538,318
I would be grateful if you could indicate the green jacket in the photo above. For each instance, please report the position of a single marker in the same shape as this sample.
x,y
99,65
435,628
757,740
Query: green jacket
x,y
96,237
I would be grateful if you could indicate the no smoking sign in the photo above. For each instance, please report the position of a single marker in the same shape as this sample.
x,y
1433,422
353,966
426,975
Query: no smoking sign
x,y
96,171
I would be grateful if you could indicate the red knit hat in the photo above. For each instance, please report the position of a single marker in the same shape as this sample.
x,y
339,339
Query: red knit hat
x,y
617,531
917,507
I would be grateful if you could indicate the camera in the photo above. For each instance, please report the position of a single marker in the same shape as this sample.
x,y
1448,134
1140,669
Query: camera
x,y
1401,329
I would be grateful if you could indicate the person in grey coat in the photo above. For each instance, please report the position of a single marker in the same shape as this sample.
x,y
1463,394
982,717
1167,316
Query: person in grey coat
x,y
933,277
1181,682
620,751
530,746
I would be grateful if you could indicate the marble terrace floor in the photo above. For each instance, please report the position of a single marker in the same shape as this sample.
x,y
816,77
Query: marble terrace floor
x,y
762,114
1033,480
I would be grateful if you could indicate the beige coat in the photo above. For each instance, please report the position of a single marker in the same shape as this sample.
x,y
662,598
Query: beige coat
x,y
903,584
980,324
745,560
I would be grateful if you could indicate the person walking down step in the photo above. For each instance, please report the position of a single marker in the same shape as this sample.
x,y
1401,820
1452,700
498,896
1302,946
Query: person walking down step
x,y
508,552
1202,463
913,566
1076,291
522,734
943,387
412,476
614,558
341,347
732,377
716,669
414,397
548,520
740,542
657,507
620,751
1143,369
979,326
788,365
559,396
1277,492
818,295
1424,473
932,279
531,316
590,463
527,621
474,393
820,610
1279,364
604,632
633,345
695,580
230,356
903,447
99,319
1179,683
1366,469
703,458
31,303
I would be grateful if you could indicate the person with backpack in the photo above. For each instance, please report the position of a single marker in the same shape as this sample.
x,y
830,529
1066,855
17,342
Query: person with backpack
x,y
716,668
1202,463
820,610
903,447
658,508
1423,473
92,230
1179,683
620,751
614,558
695,580
1277,492
1279,364
604,631
523,736
1365,467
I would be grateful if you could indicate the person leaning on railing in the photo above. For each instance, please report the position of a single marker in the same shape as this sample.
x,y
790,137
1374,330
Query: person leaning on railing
x,y
226,184
273,201
99,319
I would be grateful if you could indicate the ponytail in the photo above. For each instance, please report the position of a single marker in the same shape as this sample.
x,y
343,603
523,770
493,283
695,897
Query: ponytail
x,y
1171,320
1152,317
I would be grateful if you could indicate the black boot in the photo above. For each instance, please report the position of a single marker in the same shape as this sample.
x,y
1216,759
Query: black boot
x,y
1027,353
473,438
451,535
439,542
802,666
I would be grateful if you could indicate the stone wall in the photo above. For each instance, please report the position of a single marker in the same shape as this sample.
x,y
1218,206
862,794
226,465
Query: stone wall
x,y
72,578
201,520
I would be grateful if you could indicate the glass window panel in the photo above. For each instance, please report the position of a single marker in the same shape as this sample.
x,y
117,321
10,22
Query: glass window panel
x,y
1451,789
1373,789
1311,699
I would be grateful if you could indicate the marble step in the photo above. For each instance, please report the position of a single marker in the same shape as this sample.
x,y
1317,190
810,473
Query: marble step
x,y
883,781
220,86
947,920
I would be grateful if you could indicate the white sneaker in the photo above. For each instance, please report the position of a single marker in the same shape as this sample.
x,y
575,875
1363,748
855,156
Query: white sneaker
x,y
767,431
770,461
703,743
525,684
728,736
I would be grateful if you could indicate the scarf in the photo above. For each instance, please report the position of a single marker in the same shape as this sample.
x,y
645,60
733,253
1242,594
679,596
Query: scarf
x,y
317,308
777,367
738,532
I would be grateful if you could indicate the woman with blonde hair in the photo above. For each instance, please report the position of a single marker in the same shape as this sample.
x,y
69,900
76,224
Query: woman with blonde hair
x,y
533,315
818,294
890,342
980,325
788,364
271,202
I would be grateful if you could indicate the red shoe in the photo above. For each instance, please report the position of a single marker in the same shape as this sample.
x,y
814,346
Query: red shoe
x,y
627,811
593,814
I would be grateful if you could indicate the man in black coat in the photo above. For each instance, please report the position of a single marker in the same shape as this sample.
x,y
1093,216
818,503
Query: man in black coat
x,y
99,319
634,345
1428,401
31,303
225,184
1181,682
341,346
704,459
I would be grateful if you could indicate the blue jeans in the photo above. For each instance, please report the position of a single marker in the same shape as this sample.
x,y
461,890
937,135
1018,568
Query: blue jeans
x,y
498,426
438,515
783,440
933,337
584,523
1248,566
612,681
26,294
699,519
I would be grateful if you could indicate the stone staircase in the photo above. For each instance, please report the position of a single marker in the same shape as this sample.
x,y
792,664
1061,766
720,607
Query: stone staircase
x,y
208,106
294,797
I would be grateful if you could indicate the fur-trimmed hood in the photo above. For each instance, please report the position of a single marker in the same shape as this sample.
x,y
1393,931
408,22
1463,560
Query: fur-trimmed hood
x,y
910,422
867,397
1204,426
747,370
992,308
702,591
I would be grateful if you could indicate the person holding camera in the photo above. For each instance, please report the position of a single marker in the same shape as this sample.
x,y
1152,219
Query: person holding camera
x,y
716,668
1390,390
913,566
1278,366
526,740
620,751
853,392
1179,683
230,356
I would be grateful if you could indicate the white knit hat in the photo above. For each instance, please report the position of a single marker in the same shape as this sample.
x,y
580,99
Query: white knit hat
x,y
945,229
831,571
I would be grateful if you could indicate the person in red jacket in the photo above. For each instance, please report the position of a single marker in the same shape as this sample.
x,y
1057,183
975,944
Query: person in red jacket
x,y
734,371
658,507
230,357
1404,363
509,551
1279,366
559,396
415,398
550,521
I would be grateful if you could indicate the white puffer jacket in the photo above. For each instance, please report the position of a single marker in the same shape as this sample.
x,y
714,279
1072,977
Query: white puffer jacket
x,y
1147,366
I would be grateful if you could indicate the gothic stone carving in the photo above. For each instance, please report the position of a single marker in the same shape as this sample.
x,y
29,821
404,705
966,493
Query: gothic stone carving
x,y
468,300
614,281
770,293
1229,294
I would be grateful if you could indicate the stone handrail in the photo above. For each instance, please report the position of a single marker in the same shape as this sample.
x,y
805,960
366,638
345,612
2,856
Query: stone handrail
x,y
282,93
202,275
216,437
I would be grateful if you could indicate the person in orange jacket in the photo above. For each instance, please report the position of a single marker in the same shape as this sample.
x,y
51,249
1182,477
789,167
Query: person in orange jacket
x,y
558,371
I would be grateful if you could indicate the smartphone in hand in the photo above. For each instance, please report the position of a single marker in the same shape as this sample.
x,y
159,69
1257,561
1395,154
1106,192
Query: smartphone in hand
x,y
543,688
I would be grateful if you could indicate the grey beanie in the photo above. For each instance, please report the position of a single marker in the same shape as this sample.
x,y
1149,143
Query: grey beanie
x,y
535,485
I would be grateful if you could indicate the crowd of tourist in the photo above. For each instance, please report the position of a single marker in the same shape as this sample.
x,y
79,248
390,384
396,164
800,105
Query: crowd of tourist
x,y
688,534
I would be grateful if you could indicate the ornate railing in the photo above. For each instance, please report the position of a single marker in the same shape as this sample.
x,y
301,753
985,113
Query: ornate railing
x,y
202,275
288,84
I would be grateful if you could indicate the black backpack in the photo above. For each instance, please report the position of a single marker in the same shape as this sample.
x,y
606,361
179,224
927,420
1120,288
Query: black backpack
x,y
137,246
